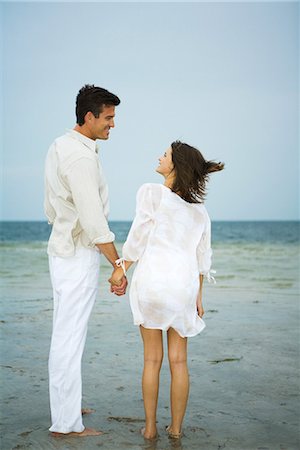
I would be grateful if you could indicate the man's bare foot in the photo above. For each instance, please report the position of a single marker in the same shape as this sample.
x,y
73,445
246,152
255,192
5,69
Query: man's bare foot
x,y
85,411
84,433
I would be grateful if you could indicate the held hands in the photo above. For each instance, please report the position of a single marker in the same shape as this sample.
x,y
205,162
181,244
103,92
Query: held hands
x,y
118,282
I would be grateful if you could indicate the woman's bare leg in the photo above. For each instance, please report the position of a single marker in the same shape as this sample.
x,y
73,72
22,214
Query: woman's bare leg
x,y
153,356
177,353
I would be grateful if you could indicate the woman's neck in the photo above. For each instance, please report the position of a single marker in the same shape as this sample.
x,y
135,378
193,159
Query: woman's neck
x,y
169,181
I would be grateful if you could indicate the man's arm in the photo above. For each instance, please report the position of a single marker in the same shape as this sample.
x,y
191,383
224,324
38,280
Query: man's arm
x,y
109,251
82,178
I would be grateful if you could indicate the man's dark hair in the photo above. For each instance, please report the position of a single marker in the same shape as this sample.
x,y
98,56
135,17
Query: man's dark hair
x,y
93,98
191,172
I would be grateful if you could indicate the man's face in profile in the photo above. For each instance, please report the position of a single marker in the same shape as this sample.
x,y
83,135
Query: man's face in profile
x,y
99,126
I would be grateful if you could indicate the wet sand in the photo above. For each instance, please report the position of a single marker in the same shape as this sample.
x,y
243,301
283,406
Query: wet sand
x,y
244,374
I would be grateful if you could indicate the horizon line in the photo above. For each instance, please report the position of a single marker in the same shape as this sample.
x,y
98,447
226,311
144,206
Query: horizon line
x,y
128,220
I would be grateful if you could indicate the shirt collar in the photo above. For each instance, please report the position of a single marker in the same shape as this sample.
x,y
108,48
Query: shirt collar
x,y
90,143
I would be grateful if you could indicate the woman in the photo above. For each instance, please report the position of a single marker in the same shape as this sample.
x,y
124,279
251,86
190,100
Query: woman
x,y
170,240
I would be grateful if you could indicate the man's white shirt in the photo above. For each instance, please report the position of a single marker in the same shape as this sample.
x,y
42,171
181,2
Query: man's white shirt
x,y
76,195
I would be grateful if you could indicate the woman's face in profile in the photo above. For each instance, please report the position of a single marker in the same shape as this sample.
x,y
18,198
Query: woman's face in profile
x,y
166,165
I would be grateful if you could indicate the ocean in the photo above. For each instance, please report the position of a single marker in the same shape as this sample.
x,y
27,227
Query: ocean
x,y
246,255
228,232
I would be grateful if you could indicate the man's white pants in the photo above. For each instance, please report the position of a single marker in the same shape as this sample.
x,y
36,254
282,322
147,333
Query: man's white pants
x,y
75,283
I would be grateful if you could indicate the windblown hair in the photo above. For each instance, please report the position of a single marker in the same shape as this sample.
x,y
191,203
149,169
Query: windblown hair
x,y
191,172
92,98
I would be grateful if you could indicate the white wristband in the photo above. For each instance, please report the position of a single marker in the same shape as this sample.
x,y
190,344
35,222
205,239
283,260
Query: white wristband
x,y
120,263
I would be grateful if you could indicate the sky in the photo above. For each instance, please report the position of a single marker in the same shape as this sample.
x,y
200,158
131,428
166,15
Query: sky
x,y
223,77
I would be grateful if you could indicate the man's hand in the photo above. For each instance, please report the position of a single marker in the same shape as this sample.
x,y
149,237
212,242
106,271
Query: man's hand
x,y
118,282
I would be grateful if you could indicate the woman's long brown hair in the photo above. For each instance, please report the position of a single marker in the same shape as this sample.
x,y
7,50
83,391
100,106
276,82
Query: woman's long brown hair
x,y
191,172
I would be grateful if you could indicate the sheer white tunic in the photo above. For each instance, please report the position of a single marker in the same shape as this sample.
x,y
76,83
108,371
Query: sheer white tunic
x,y
170,241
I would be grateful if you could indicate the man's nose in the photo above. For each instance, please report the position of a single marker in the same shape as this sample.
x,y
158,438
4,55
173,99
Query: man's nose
x,y
112,123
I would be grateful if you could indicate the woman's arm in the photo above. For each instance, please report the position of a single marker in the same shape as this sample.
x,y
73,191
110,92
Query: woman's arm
x,y
148,198
118,274
199,297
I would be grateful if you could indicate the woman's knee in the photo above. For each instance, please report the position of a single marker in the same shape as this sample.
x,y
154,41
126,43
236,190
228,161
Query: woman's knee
x,y
177,358
177,348
154,358
153,346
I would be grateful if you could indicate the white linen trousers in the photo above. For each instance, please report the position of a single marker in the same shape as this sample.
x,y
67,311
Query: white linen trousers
x,y
75,283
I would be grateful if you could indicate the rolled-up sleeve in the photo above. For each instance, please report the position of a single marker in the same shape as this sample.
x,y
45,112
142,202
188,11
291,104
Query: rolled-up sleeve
x,y
138,235
204,251
48,208
82,177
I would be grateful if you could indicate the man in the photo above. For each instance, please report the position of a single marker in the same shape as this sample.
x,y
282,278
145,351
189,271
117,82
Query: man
x,y
76,204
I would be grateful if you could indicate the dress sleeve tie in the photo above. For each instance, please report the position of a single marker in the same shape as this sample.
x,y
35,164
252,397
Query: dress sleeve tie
x,y
209,277
120,263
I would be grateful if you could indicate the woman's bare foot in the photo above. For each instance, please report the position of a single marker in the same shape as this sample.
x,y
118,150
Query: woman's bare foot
x,y
84,433
85,411
148,435
172,434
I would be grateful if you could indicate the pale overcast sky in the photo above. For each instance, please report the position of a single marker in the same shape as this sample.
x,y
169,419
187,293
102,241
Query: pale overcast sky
x,y
221,76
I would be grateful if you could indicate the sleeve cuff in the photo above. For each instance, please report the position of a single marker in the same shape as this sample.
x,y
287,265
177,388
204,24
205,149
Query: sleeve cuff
x,y
105,239
208,276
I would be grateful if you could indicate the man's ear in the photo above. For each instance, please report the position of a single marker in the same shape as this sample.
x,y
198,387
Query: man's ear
x,y
88,117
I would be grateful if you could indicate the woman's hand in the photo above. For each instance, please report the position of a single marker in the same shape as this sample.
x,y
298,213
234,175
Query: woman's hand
x,y
200,308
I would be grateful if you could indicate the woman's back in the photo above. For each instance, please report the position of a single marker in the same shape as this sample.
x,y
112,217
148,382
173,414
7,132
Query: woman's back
x,y
165,238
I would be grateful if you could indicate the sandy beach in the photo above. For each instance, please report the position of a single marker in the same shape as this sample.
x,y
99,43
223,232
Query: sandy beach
x,y
244,367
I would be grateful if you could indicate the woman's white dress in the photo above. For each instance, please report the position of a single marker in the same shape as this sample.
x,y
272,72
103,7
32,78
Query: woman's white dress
x,y
170,240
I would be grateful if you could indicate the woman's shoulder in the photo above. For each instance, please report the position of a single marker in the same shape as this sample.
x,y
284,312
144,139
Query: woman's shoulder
x,y
151,194
200,207
150,188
